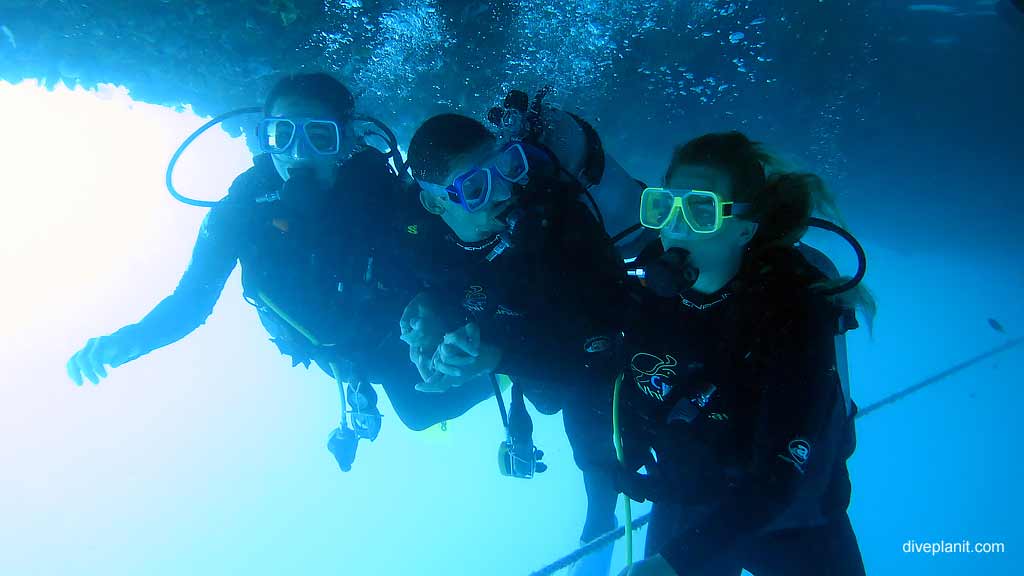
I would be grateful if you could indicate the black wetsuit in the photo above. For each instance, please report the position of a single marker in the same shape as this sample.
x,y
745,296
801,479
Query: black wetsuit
x,y
551,303
341,265
738,396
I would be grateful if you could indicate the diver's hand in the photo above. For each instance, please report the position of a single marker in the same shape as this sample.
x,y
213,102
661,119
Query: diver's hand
x,y
653,566
421,326
89,362
458,351
461,357
420,323
423,360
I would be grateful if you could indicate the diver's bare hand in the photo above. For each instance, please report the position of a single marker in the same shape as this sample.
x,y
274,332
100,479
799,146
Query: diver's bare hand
x,y
460,358
89,362
459,351
439,381
435,383
420,324
423,360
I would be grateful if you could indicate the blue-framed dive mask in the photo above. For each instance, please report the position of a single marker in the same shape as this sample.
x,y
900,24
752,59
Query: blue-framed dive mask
x,y
474,189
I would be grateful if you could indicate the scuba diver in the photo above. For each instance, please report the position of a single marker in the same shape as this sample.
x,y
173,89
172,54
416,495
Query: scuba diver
x,y
326,235
611,192
731,373
528,297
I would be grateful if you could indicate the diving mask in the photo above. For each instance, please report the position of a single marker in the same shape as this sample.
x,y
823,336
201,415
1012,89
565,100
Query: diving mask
x,y
702,211
474,189
281,135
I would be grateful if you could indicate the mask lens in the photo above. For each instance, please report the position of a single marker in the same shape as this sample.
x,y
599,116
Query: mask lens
x,y
276,135
655,207
475,188
323,136
511,164
701,212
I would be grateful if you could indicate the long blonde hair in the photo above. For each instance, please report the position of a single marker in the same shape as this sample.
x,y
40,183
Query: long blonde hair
x,y
782,201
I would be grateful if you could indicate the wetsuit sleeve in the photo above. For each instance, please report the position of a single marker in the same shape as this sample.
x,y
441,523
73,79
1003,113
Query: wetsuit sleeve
x,y
794,441
213,258
421,410
579,304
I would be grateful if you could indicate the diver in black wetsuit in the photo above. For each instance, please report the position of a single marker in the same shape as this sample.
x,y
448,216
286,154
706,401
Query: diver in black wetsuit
x,y
326,236
731,376
532,291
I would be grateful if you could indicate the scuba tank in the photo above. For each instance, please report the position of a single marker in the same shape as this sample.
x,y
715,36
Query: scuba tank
x,y
612,194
